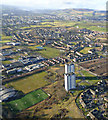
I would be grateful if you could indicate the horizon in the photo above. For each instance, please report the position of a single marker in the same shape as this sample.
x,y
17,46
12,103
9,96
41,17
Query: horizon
x,y
54,4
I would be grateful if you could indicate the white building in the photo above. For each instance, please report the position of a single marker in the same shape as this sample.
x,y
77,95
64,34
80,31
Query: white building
x,y
69,68
70,79
70,82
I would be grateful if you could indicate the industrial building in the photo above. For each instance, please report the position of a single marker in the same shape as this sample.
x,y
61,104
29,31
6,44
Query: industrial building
x,y
6,93
70,79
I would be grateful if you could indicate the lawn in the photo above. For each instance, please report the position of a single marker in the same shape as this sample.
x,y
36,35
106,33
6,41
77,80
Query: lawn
x,y
50,52
30,83
27,101
85,50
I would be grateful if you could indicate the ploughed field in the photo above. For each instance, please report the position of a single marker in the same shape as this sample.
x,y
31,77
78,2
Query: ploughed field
x,y
96,66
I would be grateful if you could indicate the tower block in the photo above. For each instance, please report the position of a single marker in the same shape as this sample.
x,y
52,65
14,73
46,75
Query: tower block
x,y
69,76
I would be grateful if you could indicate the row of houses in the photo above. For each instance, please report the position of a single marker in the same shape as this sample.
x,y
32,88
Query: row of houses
x,y
24,64
54,61
8,52
86,58
18,68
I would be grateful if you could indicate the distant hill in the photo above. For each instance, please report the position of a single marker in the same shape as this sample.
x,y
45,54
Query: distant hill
x,y
14,10
82,9
59,12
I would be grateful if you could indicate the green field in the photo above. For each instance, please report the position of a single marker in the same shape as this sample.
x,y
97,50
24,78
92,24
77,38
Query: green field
x,y
50,52
5,47
27,101
86,74
30,83
25,27
34,47
93,81
85,50
6,37
56,23
91,26
6,62
4,41
63,23
89,77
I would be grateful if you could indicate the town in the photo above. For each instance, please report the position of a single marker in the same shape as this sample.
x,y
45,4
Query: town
x,y
36,47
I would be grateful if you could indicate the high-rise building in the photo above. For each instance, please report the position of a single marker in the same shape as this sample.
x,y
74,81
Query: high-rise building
x,y
69,68
70,81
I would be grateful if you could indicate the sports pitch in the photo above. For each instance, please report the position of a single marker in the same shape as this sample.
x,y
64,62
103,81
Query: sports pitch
x,y
27,101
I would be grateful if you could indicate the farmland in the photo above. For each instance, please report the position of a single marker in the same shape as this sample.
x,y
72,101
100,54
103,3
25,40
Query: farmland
x,y
27,101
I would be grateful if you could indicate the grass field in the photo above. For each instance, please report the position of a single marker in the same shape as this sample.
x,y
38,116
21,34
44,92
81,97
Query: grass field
x,y
34,47
92,26
89,77
24,27
85,73
50,52
6,37
93,81
85,50
56,23
5,47
27,101
4,41
68,104
6,62
64,23
30,83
